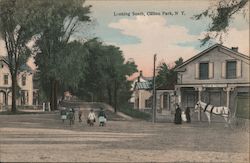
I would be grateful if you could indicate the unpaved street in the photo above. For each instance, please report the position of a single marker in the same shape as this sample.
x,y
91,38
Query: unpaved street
x,y
44,138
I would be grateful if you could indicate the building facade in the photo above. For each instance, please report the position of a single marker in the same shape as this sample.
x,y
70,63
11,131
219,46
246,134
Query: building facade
x,y
24,81
165,100
217,75
143,95
141,92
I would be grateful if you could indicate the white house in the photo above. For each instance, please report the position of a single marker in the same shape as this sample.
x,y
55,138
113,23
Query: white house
x,y
217,75
25,83
141,92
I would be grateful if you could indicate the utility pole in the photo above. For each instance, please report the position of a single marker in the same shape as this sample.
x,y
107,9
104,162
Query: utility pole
x,y
154,94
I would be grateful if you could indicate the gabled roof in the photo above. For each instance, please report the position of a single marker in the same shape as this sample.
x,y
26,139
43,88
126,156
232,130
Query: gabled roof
x,y
143,85
209,49
166,86
147,78
23,67
4,59
142,77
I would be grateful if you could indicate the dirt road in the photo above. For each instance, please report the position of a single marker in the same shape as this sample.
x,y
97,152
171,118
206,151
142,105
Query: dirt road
x,y
44,138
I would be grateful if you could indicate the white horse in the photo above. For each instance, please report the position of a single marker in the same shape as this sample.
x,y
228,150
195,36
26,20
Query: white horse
x,y
210,109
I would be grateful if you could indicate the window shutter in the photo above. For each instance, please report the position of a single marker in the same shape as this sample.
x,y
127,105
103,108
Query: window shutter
x,y
238,69
223,70
211,70
197,71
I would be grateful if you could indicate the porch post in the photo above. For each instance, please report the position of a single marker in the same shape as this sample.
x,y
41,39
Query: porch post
x,y
199,114
227,90
177,99
6,99
139,101
161,100
199,89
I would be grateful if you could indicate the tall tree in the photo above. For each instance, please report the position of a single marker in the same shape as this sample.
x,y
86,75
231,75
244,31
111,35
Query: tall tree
x,y
221,13
106,74
117,71
167,77
91,87
16,29
58,22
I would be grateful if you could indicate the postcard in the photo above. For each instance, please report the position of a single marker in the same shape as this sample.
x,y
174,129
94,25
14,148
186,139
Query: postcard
x,y
124,81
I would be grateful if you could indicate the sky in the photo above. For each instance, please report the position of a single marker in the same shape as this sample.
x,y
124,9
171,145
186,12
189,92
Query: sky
x,y
155,30
168,36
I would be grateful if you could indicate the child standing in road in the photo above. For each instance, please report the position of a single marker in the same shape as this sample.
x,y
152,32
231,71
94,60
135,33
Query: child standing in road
x,y
91,118
80,115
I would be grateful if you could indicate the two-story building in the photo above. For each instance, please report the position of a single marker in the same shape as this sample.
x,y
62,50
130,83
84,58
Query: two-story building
x,y
217,75
25,84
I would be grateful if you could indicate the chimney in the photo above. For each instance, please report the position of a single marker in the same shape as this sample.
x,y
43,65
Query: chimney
x,y
235,49
141,73
139,77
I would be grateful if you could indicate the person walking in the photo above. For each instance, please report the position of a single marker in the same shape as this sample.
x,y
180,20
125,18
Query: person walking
x,y
187,112
80,115
177,119
63,114
71,117
91,118
73,111
102,117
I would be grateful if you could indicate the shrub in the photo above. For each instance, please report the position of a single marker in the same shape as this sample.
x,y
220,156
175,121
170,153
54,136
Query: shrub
x,y
135,113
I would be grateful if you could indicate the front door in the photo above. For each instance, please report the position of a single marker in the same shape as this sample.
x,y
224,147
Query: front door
x,y
190,100
215,98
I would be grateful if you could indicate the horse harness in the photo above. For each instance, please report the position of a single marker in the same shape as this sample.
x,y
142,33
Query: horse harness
x,y
212,107
205,109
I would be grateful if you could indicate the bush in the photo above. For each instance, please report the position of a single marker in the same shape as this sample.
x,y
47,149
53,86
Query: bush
x,y
19,112
135,113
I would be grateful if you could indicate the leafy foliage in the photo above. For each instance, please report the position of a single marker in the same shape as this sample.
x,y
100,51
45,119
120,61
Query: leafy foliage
x,y
106,74
221,14
57,56
136,113
167,77
16,29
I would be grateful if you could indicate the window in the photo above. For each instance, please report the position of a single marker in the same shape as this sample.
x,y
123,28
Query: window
x,y
148,103
231,69
23,80
203,71
179,78
1,64
5,79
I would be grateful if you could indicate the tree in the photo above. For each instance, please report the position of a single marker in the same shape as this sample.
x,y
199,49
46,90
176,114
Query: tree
x,y
221,14
118,71
16,29
58,22
106,74
167,77
91,87
68,69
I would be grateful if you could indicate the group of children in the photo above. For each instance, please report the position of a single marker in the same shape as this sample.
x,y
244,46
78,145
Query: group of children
x,y
91,119
102,118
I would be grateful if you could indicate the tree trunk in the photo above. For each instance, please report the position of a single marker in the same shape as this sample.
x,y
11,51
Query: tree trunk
x,y
13,91
52,94
115,97
55,94
109,95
